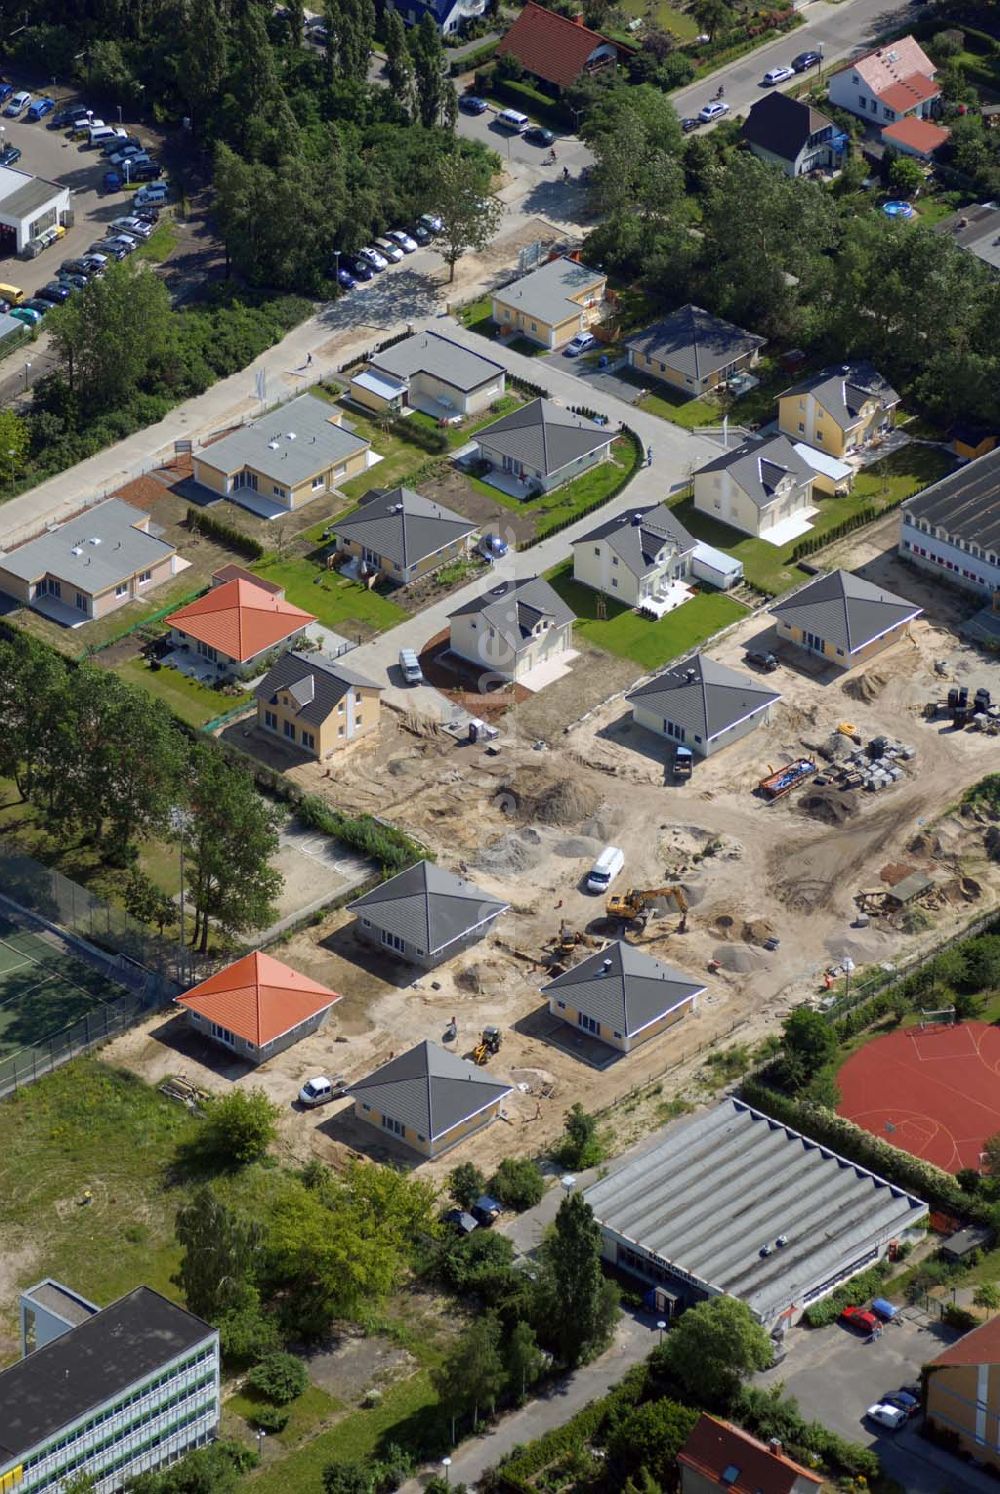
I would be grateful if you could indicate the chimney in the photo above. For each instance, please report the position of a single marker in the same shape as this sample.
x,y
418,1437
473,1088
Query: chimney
x,y
578,19
774,1446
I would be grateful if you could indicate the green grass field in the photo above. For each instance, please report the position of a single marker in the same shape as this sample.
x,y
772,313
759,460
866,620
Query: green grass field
x,y
648,642
190,701
588,491
338,603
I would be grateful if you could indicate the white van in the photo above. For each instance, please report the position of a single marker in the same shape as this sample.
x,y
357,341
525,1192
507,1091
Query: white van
x,y
99,134
510,119
604,870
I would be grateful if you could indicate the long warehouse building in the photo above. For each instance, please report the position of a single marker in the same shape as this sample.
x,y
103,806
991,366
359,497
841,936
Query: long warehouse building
x,y
734,1202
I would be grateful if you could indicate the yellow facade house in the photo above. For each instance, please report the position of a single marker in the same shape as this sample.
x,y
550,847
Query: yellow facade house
x,y
840,411
963,1393
317,705
428,1099
693,351
285,459
622,996
843,619
403,535
552,304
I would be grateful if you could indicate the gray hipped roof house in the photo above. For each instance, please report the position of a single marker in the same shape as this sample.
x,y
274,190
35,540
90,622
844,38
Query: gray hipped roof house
x,y
846,391
543,443
843,618
622,995
429,1098
692,348
403,533
425,914
429,353
702,704
760,467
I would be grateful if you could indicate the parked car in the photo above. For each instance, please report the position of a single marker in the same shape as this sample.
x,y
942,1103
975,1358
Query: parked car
x,y
111,181
40,107
389,250
889,1417
155,193
321,1090
359,268
108,249
419,232
71,115
806,60
581,342
403,239
19,102
123,153
431,222
27,315
126,240
6,89
902,1402
409,666
132,226
56,291
37,304
689,124
859,1318
761,659
93,265
778,75
78,282
72,267
112,147
5,306
460,1220
83,126
487,1210
885,1309
715,110
10,155
492,547
470,103
538,135
146,171
377,261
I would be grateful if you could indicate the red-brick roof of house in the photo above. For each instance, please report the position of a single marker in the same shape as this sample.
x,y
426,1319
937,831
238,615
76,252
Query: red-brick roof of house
x,y
740,1463
551,46
919,134
981,1346
909,92
240,619
258,998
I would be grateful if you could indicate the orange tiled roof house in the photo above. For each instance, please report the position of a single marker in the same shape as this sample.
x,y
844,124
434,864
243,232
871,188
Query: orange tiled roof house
x,y
236,630
257,1007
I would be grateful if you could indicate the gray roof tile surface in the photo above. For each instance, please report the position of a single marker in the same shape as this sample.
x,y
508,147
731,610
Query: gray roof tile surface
x,y
514,608
965,504
694,342
623,988
316,684
429,352
844,391
640,535
760,466
430,1090
71,554
402,526
543,436
428,907
288,445
547,293
845,610
703,696
783,126
717,1188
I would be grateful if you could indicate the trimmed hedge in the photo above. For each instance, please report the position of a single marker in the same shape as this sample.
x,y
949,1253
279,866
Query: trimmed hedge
x,y
392,848
628,434
530,101
472,60
526,387
866,1284
226,534
814,542
435,442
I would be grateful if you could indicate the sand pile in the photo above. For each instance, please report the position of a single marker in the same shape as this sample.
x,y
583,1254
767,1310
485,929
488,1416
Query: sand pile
x,y
896,871
831,806
865,687
741,959
483,977
837,747
517,852
576,846
538,794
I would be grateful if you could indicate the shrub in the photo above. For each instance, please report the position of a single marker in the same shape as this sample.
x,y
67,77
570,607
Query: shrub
x,y
239,1127
200,522
859,1289
418,435
281,1377
518,1183
580,1146
959,1317
270,1418
392,848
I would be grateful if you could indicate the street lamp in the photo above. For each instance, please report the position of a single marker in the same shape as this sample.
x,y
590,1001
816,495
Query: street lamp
x,y
13,458
27,370
661,1325
119,107
446,1465
261,1434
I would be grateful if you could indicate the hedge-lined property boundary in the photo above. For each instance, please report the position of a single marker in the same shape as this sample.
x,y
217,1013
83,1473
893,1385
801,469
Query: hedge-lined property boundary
x,y
198,520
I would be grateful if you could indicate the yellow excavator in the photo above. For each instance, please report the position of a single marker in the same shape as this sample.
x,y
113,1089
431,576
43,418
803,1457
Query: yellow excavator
x,y
488,1044
636,905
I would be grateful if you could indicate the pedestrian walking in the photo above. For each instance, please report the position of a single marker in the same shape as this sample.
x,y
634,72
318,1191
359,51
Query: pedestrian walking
x,y
309,359
649,456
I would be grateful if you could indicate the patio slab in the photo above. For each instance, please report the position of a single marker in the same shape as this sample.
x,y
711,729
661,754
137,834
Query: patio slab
x,y
548,671
792,528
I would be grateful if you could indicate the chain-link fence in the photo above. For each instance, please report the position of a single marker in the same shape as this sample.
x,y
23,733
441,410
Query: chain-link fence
x,y
30,1063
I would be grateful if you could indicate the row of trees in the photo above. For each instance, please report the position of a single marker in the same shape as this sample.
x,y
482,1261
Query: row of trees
x,y
98,758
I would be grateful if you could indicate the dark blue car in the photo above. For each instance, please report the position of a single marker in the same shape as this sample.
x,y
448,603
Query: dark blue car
x,y
469,103
346,280
359,268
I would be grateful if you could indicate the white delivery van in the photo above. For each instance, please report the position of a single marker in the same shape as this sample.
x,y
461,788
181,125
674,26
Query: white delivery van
x,y
510,119
604,870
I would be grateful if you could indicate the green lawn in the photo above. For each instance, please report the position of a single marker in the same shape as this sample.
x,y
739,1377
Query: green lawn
x,y
680,410
478,317
668,17
192,702
769,566
88,1126
338,603
305,1413
160,244
585,492
631,636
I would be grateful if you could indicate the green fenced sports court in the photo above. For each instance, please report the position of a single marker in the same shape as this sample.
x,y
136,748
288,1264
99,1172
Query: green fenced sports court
x,y
45,988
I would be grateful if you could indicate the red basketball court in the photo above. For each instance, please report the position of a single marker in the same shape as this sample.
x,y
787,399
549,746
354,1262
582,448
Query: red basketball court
x,y
932,1091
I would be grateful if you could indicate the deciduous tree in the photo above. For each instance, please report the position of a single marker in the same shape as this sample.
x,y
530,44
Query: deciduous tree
x,y
712,1348
459,193
472,1375
112,334
465,1184
577,1306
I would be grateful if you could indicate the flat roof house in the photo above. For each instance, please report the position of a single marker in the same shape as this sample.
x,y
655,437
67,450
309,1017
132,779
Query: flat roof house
x,y
952,528
316,704
889,83
425,915
763,488
284,459
556,48
541,446
843,619
791,135
693,351
702,704
701,1214
257,1007
28,206
718,1455
402,534
640,557
89,1401
89,566
232,630
429,1099
840,411
963,1393
622,996
430,373
513,628
552,304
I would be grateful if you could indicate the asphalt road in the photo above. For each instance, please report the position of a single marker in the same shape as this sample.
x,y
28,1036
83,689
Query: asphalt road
x,y
838,31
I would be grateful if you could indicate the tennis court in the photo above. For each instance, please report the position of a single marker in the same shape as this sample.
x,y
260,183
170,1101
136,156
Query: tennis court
x,y
933,1091
44,987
